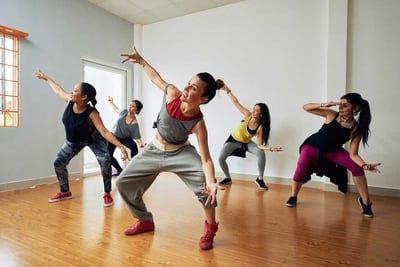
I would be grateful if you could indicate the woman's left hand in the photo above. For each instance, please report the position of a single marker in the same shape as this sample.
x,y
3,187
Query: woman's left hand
x,y
275,149
124,153
372,167
211,191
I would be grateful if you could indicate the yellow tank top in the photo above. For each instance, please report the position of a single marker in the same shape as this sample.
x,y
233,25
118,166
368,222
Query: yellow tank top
x,y
241,134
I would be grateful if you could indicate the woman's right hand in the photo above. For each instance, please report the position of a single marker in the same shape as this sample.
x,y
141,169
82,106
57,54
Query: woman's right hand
x,y
41,75
111,99
133,57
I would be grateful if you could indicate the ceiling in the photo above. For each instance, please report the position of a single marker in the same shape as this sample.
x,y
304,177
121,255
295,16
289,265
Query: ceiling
x,y
149,11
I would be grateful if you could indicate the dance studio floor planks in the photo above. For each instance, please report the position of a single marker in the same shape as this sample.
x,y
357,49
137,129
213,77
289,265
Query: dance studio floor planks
x,y
256,228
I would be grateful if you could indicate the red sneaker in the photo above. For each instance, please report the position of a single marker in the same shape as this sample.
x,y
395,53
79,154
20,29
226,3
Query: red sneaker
x,y
206,241
108,200
140,227
60,196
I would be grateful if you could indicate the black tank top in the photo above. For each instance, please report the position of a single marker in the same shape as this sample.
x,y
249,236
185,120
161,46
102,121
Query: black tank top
x,y
77,126
330,137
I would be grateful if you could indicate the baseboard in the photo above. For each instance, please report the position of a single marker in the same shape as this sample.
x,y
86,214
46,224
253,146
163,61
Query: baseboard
x,y
326,186
33,182
380,191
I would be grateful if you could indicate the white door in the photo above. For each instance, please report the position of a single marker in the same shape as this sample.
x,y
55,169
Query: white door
x,y
108,81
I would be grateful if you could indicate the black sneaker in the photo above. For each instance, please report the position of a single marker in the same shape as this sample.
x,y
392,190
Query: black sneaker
x,y
292,202
261,184
226,181
366,209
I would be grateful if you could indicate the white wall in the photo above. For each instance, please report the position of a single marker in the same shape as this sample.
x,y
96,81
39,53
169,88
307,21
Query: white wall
x,y
266,51
61,32
284,53
374,71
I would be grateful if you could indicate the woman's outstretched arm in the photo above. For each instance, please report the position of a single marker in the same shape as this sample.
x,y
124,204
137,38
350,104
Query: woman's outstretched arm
x,y
55,86
246,113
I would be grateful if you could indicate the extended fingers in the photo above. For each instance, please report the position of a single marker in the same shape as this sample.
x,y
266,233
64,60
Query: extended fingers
x,y
210,200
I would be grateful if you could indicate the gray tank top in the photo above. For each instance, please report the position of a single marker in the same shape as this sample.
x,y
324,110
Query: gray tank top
x,y
123,130
173,131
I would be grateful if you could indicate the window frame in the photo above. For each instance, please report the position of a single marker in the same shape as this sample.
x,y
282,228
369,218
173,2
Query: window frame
x,y
9,76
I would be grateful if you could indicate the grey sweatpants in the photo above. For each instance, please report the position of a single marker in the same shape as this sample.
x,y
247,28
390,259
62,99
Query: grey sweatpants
x,y
252,147
144,168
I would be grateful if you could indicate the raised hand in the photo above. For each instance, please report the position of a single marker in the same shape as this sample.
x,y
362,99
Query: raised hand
x,y
41,75
133,57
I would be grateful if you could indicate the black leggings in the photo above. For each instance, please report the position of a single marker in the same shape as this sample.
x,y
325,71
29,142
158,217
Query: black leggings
x,y
129,143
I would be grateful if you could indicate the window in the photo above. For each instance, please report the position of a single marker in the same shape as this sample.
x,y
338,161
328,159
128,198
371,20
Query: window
x,y
9,76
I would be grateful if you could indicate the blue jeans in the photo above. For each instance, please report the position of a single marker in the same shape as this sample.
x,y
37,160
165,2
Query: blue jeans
x,y
70,149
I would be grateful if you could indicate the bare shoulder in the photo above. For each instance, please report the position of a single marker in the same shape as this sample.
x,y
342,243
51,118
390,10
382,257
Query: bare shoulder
x,y
330,115
172,92
94,115
200,127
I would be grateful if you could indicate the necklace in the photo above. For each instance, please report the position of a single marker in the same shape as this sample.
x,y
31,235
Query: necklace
x,y
343,119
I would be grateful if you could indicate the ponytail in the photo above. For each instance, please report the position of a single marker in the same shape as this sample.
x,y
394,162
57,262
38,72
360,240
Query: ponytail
x,y
364,116
364,120
90,91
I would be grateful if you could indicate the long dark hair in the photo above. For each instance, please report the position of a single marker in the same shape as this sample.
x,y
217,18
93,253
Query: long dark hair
x,y
265,122
90,91
364,119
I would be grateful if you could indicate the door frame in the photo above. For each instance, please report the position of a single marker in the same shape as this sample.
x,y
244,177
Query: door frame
x,y
125,94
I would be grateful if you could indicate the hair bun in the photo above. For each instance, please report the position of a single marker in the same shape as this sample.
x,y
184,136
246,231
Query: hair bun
x,y
220,83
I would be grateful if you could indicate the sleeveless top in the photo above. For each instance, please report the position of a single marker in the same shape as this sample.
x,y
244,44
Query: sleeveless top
x,y
124,130
76,125
174,129
330,137
242,133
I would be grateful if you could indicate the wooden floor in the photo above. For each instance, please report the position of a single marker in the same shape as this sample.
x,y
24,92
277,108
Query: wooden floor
x,y
256,228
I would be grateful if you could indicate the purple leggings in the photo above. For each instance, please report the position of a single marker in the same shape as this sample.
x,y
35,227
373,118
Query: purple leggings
x,y
309,155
